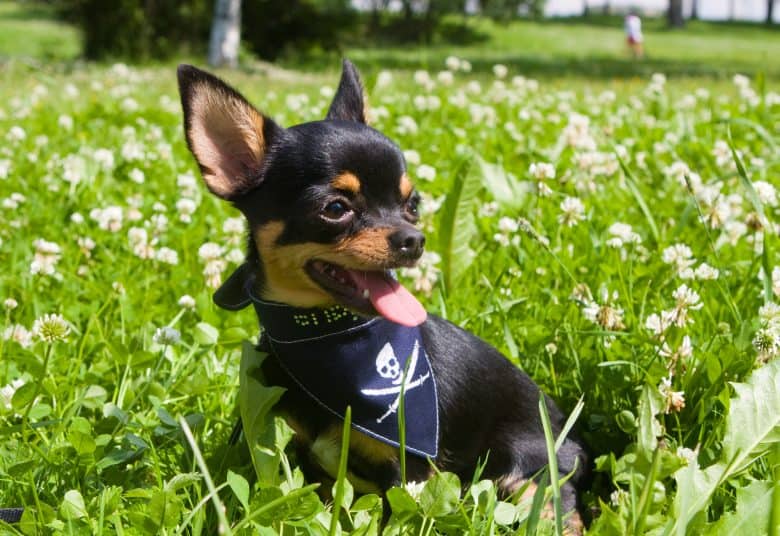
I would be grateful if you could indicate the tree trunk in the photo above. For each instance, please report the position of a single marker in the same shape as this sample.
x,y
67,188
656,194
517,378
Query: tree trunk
x,y
770,7
695,10
225,33
675,14
732,10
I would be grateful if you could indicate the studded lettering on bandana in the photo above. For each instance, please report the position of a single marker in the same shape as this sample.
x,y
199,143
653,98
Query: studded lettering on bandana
x,y
343,360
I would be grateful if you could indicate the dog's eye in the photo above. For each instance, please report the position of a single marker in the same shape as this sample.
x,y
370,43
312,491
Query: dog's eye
x,y
413,206
335,210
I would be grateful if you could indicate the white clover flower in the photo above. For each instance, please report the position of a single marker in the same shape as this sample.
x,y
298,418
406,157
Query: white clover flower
x,y
65,122
186,207
10,304
606,314
210,251
500,71
133,150
77,218
384,78
46,256
104,158
425,273
51,328
658,324
622,233
674,400
426,172
233,226
406,125
577,132
129,105
678,255
445,78
137,176
681,354
19,334
188,184
167,255
8,391
166,336
706,272
5,168
687,455
423,78
572,212
16,133
412,157
109,218
488,210
187,302
766,193
452,63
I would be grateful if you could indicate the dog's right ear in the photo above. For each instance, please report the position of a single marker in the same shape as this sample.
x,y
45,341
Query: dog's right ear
x,y
228,136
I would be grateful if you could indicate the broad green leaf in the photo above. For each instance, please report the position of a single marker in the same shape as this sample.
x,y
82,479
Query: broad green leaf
x,y
73,506
240,488
457,227
753,422
205,334
265,438
649,427
752,513
400,501
505,188
441,495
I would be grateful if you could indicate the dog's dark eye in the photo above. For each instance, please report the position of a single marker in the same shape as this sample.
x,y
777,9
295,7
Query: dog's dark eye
x,y
335,210
413,206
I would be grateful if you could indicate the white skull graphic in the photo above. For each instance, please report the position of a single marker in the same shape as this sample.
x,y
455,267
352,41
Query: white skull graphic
x,y
386,363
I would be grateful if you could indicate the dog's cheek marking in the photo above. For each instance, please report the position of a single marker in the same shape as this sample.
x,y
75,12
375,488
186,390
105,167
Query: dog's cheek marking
x,y
224,125
369,247
405,186
346,181
286,282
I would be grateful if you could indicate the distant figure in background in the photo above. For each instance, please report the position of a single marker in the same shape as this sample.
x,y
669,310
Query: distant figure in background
x,y
633,27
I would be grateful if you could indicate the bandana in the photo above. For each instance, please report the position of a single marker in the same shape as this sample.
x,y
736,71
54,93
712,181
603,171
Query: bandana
x,y
341,359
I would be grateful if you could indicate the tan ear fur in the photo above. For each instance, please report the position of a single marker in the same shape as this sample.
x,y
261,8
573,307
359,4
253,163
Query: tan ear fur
x,y
226,134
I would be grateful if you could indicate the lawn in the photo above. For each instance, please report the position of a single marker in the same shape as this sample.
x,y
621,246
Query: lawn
x,y
616,239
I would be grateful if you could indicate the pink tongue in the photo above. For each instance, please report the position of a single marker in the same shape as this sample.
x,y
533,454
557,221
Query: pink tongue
x,y
391,300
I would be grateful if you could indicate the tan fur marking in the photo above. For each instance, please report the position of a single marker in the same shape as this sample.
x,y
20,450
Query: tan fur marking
x,y
346,181
326,452
369,248
286,280
226,135
406,186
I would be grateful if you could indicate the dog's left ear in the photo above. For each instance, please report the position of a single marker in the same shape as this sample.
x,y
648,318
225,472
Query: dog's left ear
x,y
228,136
349,102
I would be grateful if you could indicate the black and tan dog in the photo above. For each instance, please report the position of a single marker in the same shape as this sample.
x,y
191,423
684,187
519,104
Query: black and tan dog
x,y
331,212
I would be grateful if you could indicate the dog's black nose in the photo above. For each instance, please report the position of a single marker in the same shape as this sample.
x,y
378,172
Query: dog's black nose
x,y
408,241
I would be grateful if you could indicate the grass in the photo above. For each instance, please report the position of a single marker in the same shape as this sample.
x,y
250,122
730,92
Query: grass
x,y
124,424
30,31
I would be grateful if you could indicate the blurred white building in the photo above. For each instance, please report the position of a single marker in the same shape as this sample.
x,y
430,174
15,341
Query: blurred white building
x,y
708,9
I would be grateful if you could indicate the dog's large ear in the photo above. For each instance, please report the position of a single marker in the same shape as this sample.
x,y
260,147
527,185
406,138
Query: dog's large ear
x,y
349,103
228,136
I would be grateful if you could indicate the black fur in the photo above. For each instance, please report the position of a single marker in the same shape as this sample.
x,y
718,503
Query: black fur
x,y
488,408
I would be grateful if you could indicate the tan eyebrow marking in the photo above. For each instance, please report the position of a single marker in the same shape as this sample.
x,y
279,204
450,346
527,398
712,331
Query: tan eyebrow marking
x,y
346,181
406,186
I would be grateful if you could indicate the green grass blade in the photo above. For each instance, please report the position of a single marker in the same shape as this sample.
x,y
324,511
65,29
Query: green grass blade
x,y
569,424
639,198
224,526
538,504
338,499
552,462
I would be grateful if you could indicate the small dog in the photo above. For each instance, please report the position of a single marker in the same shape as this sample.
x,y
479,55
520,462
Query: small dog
x,y
331,213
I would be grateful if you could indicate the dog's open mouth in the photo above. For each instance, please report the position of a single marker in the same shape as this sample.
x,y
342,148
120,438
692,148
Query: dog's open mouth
x,y
368,292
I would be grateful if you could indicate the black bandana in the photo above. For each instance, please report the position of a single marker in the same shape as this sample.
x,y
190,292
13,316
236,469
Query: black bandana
x,y
341,359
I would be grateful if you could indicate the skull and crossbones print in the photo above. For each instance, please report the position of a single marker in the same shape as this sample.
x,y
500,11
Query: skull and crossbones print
x,y
388,367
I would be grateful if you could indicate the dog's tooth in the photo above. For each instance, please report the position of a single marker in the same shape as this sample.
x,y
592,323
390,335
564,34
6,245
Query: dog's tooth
x,y
366,293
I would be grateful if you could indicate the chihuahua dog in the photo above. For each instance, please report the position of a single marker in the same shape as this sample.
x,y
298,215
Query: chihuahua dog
x,y
331,213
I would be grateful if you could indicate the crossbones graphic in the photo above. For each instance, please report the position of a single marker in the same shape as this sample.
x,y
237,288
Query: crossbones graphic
x,y
387,366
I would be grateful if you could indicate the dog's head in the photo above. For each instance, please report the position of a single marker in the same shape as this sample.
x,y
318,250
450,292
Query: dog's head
x,y
330,207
